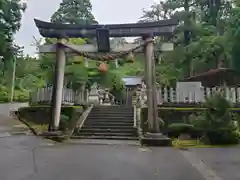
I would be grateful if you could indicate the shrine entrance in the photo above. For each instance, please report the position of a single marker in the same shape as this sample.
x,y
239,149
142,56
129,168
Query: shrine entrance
x,y
131,83
104,52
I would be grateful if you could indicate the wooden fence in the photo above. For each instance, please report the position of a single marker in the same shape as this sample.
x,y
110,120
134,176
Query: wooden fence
x,y
164,95
172,95
44,95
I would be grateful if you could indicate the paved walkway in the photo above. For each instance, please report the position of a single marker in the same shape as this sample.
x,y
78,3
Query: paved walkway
x,y
31,158
25,157
224,161
10,126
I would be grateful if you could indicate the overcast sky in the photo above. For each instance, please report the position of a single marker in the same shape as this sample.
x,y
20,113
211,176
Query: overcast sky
x,y
105,11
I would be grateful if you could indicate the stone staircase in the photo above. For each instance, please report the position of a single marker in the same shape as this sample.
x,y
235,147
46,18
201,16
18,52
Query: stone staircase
x,y
109,122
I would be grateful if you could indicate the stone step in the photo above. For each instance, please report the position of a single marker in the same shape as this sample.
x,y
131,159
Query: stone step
x,y
117,118
110,118
105,137
107,121
117,108
104,123
109,130
111,114
106,134
114,107
107,127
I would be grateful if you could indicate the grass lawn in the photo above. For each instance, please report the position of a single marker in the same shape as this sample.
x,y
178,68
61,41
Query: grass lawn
x,y
196,144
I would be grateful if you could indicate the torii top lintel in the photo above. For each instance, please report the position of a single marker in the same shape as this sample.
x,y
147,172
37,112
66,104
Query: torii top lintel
x,y
56,30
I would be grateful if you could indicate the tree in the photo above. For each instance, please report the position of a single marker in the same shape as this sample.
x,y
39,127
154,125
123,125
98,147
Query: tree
x,y
74,12
10,17
202,40
233,33
156,12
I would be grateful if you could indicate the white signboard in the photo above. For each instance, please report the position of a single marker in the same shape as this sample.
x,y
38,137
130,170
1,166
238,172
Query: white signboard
x,y
190,91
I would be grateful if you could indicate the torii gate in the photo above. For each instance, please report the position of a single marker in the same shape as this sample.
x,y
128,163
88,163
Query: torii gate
x,y
103,32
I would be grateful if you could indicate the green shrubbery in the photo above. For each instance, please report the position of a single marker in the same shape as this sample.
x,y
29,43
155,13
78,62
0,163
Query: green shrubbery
x,y
40,115
215,125
176,129
19,96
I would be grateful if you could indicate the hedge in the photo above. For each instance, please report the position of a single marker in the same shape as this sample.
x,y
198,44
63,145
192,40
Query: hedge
x,y
172,115
42,114
169,116
176,129
222,136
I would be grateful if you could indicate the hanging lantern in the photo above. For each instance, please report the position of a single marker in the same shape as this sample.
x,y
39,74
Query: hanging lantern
x,y
130,57
103,68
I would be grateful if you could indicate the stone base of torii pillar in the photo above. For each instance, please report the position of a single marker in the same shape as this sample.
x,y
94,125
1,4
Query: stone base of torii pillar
x,y
155,139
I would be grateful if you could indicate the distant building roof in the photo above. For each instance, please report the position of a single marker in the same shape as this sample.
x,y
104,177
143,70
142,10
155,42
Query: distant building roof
x,y
216,77
132,80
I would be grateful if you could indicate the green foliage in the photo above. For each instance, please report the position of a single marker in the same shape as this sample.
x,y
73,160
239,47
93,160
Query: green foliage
x,y
207,36
11,14
217,122
218,114
40,115
64,121
198,120
177,129
10,19
74,12
222,136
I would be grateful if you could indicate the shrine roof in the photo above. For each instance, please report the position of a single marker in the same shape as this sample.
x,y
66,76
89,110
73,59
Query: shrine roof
x,y
132,80
216,77
212,72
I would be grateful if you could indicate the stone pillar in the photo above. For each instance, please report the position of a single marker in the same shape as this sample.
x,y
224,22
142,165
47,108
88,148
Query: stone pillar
x,y
160,58
86,62
148,80
154,98
93,95
116,63
57,87
153,137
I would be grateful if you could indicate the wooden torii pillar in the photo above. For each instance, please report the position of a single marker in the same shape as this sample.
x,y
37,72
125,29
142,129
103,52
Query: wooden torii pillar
x,y
57,90
150,77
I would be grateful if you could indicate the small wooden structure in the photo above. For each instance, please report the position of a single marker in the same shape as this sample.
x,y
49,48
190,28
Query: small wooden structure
x,y
217,77
132,83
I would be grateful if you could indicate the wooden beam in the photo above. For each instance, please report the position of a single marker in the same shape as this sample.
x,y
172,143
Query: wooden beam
x,y
55,30
93,49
